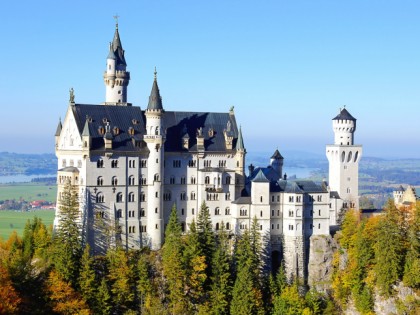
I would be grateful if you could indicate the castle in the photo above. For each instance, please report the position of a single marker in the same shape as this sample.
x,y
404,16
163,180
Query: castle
x,y
131,166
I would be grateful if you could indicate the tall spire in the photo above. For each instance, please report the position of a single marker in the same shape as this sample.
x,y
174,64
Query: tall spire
x,y
240,141
155,101
117,47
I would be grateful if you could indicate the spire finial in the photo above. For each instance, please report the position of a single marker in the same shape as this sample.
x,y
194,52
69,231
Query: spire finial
x,y
71,98
116,16
155,74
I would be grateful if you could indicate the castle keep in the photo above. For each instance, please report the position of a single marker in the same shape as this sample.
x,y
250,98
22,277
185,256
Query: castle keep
x,y
131,165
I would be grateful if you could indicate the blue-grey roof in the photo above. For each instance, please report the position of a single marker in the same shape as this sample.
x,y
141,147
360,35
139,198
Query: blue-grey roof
x,y
277,155
177,125
344,115
118,116
180,123
86,131
242,201
69,169
155,101
240,141
269,173
260,178
117,48
111,54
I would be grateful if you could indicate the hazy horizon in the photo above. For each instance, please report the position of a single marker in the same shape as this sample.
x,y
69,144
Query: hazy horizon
x,y
287,67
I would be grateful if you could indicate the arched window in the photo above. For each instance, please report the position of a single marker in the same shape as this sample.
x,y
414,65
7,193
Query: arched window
x,y
119,213
227,211
356,156
142,212
131,181
119,197
193,180
227,226
99,197
192,195
343,156
142,196
217,226
100,181
157,131
100,163
228,180
217,211
131,197
156,177
114,163
114,181
207,180
349,156
183,196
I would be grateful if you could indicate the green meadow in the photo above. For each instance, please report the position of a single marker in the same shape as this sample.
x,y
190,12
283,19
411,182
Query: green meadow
x,y
28,191
15,221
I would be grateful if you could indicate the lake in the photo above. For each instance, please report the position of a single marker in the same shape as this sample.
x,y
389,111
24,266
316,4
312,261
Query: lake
x,y
21,178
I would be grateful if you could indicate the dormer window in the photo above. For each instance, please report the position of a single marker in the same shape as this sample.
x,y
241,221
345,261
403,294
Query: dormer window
x,y
101,130
116,131
211,132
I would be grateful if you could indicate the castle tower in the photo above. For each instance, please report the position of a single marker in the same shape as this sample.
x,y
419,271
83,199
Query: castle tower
x,y
116,77
155,139
276,163
343,157
240,164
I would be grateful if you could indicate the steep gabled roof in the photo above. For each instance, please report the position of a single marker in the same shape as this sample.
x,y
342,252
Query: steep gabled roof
x,y
86,131
344,115
240,141
59,128
117,48
277,155
260,178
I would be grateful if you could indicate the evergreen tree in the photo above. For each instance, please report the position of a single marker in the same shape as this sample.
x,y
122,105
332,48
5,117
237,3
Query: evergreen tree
x,y
221,286
103,299
246,296
195,264
144,286
67,240
173,266
121,280
388,250
206,239
289,302
87,281
412,261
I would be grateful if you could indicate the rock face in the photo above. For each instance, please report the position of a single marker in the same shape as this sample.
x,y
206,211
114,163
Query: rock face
x,y
321,250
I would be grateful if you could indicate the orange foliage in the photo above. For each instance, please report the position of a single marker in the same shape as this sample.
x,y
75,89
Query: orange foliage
x,y
9,299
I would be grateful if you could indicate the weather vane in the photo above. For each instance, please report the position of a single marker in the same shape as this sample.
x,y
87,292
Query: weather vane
x,y
116,16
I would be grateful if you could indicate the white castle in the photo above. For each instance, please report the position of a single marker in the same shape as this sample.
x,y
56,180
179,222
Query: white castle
x,y
131,166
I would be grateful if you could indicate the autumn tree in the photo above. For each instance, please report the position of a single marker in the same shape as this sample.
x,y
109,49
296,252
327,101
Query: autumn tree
x,y
412,261
9,298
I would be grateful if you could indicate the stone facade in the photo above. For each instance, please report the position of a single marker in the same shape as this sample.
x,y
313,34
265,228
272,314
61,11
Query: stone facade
x,y
132,165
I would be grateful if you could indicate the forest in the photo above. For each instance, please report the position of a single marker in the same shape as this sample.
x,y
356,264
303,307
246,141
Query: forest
x,y
202,272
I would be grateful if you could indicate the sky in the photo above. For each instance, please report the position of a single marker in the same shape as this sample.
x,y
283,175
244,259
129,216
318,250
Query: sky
x,y
286,66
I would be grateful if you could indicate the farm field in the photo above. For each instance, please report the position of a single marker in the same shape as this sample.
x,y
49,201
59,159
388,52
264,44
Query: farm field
x,y
15,221
28,191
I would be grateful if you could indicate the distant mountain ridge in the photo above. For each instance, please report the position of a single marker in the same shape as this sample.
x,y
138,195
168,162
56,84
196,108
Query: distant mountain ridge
x,y
27,164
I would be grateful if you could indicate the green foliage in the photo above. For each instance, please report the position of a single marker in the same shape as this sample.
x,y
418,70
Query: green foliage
x,y
412,261
67,239
206,239
289,302
87,280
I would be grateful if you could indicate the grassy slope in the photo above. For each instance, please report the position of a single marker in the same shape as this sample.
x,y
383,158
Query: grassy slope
x,y
28,191
12,220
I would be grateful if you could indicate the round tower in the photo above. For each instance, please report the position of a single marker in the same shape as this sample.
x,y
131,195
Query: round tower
x,y
155,139
344,126
116,77
240,164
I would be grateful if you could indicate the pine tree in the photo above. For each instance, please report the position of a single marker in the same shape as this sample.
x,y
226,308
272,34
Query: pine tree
x,y
173,266
206,239
87,281
67,240
121,279
221,286
246,296
195,264
103,299
388,250
289,302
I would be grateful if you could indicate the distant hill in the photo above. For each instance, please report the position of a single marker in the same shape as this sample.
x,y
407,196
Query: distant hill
x,y
27,164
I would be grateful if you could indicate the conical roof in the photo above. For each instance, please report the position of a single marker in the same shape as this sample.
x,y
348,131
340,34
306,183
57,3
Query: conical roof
x,y
117,48
59,128
155,101
240,141
86,131
344,115
277,155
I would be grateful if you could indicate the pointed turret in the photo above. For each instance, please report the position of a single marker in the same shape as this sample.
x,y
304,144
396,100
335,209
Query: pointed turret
x,y
155,100
86,135
276,162
116,77
240,141
59,128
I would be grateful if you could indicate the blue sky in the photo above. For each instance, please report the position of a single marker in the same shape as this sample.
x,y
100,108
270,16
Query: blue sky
x,y
286,66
